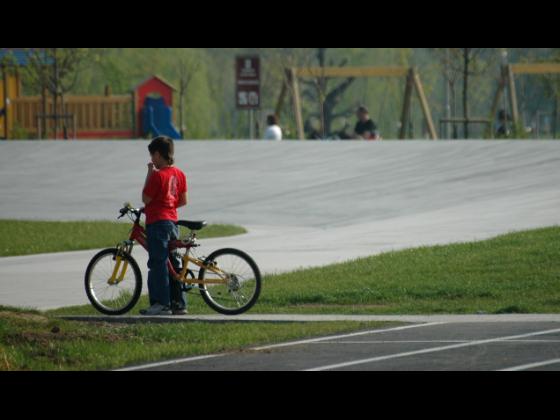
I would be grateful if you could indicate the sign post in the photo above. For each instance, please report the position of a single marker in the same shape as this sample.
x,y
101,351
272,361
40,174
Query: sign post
x,y
248,86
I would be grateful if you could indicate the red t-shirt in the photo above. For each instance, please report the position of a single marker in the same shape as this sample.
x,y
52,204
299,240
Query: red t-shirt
x,y
164,188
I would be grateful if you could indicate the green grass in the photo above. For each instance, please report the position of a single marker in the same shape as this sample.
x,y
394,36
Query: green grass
x,y
30,340
513,273
22,237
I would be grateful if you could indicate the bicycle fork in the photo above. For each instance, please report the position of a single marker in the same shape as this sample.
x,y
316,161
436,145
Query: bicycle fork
x,y
124,247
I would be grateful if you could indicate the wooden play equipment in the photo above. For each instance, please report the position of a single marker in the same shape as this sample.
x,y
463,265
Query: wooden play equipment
x,y
108,116
94,117
412,82
10,87
104,116
507,78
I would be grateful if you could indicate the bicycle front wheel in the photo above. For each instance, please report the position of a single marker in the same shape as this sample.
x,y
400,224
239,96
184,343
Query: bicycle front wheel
x,y
113,285
232,281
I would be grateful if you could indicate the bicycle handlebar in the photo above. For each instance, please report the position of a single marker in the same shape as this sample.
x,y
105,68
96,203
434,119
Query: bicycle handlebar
x,y
129,209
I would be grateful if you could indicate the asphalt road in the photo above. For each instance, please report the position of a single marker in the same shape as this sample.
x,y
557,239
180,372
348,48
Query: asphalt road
x,y
431,346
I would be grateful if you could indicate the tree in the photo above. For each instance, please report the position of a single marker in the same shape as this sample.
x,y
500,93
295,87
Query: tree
x,y
462,63
187,68
328,99
55,71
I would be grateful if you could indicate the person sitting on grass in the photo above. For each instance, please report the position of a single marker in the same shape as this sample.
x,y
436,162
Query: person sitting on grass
x,y
164,191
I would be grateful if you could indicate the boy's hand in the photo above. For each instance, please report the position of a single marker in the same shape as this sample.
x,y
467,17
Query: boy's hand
x,y
151,170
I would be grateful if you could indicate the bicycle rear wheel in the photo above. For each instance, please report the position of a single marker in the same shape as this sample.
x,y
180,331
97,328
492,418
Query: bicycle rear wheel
x,y
241,278
107,295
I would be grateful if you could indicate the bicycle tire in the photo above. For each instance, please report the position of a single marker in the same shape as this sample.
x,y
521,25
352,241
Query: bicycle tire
x,y
97,304
207,296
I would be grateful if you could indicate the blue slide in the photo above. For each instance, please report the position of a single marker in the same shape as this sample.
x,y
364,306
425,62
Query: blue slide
x,y
156,119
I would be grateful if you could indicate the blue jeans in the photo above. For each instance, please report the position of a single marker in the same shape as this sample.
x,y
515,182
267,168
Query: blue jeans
x,y
162,288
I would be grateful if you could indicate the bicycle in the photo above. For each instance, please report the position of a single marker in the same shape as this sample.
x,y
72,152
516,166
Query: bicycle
x,y
229,280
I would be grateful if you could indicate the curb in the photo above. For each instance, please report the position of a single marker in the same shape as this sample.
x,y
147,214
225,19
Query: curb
x,y
130,319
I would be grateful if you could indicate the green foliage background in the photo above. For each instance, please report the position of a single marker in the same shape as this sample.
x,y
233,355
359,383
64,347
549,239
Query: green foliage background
x,y
210,108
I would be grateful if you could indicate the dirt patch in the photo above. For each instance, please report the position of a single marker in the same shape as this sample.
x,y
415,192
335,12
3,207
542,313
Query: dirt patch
x,y
23,316
58,333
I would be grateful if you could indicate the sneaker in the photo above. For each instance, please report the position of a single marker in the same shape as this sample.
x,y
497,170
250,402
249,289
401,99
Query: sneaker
x,y
156,309
179,311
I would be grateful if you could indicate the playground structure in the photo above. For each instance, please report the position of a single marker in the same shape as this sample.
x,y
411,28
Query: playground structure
x,y
507,78
153,102
146,111
9,88
413,82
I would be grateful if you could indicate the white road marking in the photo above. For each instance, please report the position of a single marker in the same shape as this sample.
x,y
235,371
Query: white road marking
x,y
336,337
170,362
430,350
531,365
291,343
392,341
427,341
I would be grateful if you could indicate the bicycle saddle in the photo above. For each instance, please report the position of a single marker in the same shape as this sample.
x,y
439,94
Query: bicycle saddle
x,y
191,224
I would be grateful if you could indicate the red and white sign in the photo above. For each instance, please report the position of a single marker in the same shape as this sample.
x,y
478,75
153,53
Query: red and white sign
x,y
247,82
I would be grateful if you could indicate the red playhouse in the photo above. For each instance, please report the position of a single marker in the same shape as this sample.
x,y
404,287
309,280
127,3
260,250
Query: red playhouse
x,y
153,104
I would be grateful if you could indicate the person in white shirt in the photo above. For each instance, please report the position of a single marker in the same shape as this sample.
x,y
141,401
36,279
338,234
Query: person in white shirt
x,y
273,131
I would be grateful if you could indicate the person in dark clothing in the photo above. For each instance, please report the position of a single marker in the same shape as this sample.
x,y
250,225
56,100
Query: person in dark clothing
x,y
365,127
501,129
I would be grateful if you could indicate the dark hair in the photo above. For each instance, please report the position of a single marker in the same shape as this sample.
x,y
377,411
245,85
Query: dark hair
x,y
272,119
163,145
362,109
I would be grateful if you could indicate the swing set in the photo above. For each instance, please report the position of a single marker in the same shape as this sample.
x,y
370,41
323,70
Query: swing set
x,y
507,78
291,85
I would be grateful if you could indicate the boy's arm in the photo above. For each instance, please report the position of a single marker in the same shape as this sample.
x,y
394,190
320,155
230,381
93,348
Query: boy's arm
x,y
146,198
182,191
182,200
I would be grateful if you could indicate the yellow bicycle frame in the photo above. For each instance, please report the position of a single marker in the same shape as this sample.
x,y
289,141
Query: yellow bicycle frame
x,y
182,276
124,247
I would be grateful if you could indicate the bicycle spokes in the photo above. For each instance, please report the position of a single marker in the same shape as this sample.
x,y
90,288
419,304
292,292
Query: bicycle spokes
x,y
110,283
230,281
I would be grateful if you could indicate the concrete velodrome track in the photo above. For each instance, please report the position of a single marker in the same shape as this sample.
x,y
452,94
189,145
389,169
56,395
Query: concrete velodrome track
x,y
307,204
304,203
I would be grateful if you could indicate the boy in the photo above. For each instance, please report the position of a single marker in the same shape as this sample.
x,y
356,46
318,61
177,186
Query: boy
x,y
164,191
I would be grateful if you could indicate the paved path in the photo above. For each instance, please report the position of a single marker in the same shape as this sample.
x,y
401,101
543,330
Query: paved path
x,y
443,318
304,203
424,342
